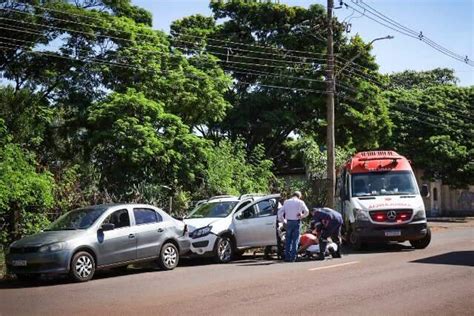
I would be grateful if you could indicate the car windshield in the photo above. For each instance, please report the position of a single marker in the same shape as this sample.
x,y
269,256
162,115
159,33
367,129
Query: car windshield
x,y
77,219
383,183
212,209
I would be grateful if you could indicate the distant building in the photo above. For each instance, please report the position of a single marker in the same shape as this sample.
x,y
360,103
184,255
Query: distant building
x,y
446,201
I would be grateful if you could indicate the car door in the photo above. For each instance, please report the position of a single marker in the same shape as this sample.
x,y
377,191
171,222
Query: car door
x,y
253,228
267,213
119,244
150,231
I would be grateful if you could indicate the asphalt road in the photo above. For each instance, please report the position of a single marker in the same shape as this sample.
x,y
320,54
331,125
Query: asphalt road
x,y
385,280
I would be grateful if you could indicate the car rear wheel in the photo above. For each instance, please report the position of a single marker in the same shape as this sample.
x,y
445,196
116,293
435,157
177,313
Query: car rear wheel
x,y
82,267
169,257
224,250
422,243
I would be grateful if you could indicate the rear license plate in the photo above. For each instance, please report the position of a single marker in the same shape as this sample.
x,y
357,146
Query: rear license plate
x,y
392,233
19,263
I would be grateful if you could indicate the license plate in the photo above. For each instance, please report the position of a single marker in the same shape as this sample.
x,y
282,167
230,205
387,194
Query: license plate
x,y
19,263
391,233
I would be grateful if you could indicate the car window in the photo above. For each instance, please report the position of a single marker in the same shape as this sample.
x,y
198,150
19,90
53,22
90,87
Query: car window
x,y
266,207
243,205
119,218
146,216
250,212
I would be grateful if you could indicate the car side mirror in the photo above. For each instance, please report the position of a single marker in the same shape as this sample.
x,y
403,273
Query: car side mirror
x,y
424,191
107,226
239,216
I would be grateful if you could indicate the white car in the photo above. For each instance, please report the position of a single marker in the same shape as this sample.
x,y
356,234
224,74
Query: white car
x,y
225,225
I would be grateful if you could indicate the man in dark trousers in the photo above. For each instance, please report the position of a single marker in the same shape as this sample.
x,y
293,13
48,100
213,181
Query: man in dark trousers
x,y
328,223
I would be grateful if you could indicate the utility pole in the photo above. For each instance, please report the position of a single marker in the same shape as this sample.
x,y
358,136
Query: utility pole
x,y
330,90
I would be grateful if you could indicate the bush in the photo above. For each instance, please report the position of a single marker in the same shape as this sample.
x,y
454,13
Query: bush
x,y
25,194
231,170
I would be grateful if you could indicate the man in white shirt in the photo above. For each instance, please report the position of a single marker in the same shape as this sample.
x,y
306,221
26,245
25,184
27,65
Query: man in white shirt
x,y
292,211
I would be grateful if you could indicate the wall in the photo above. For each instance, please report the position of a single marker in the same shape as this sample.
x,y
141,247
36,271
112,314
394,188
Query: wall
x,y
446,201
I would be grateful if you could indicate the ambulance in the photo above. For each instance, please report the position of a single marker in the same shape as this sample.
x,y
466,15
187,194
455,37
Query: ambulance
x,y
379,199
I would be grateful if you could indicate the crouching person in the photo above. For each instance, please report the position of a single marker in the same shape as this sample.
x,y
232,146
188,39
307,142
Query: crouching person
x,y
328,224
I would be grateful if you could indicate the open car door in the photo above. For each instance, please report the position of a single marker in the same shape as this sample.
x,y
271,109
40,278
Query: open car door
x,y
255,225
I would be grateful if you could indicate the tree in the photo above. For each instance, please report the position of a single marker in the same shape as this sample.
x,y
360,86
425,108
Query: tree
x,y
232,171
25,192
434,127
132,140
410,79
294,60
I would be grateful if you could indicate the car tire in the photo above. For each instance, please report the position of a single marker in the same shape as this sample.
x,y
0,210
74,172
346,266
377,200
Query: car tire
x,y
25,277
422,243
169,256
82,267
223,250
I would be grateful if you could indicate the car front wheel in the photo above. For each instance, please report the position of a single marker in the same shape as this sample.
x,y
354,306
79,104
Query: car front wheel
x,y
224,250
169,257
82,267
422,243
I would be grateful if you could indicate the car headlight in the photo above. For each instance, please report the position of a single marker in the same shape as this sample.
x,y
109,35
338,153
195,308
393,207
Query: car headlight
x,y
52,247
419,215
201,232
361,215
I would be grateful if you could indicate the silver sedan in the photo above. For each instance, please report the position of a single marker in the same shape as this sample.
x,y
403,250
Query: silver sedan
x,y
96,237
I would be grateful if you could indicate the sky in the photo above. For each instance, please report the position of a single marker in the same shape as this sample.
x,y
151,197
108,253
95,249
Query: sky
x,y
449,23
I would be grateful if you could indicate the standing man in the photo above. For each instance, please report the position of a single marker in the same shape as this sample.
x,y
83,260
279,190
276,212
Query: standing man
x,y
292,211
328,223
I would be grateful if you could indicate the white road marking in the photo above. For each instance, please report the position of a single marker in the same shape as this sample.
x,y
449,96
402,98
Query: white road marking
x,y
334,266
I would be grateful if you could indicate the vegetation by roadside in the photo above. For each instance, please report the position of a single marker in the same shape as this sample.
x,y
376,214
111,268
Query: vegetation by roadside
x,y
2,265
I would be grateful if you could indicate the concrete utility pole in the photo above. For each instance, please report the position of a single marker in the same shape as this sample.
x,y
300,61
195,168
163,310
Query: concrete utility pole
x,y
330,90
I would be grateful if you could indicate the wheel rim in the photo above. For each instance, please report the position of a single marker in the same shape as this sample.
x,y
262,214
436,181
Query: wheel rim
x,y
224,250
170,256
83,266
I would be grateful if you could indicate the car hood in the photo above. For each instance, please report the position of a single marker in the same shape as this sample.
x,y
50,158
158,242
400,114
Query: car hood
x,y
389,202
47,237
195,223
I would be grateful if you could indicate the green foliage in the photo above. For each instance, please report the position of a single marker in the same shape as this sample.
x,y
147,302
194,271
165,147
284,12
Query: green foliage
x,y
266,115
232,171
433,128
410,79
25,193
26,116
305,151
133,140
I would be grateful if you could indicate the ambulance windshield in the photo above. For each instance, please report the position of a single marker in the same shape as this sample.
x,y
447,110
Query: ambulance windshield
x,y
383,183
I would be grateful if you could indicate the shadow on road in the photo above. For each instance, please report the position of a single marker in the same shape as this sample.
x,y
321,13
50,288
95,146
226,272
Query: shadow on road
x,y
55,280
457,258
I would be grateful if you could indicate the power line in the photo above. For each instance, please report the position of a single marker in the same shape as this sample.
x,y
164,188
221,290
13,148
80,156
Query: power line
x,y
407,31
127,40
147,35
229,48
283,87
112,37
418,114
88,60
